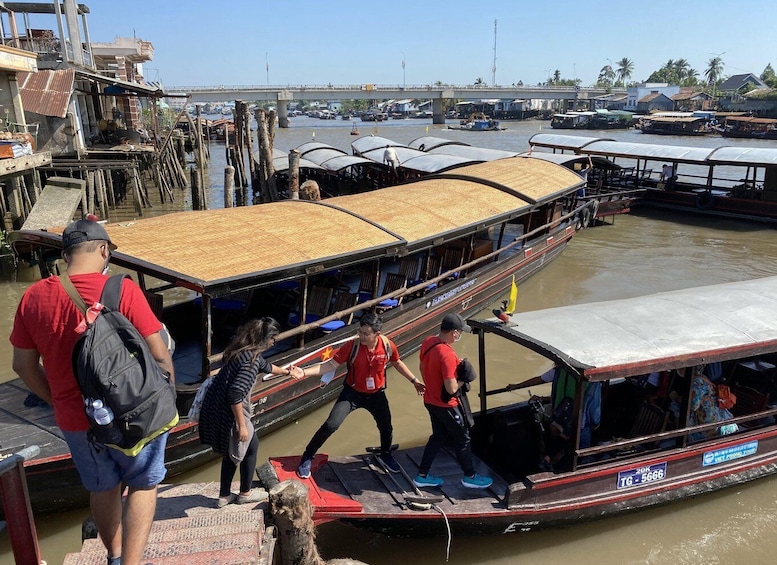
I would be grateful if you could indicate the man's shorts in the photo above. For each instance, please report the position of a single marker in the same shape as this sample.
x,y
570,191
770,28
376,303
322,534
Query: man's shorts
x,y
102,468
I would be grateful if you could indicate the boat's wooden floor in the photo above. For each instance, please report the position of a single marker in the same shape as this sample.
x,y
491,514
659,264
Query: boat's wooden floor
x,y
361,479
23,426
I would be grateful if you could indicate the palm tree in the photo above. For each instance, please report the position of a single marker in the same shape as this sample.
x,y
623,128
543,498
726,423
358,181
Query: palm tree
x,y
606,76
714,70
556,76
681,67
624,70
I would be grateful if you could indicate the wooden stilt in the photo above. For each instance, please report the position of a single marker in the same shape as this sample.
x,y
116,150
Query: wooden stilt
x,y
229,187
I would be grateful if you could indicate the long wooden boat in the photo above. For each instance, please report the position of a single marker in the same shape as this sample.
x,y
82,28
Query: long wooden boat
x,y
748,127
667,125
729,181
640,457
416,251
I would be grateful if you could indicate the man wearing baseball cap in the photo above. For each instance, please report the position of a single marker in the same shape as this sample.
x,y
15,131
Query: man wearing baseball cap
x,y
438,369
43,337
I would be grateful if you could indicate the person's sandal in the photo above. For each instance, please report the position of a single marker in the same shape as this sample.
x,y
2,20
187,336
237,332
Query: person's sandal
x,y
253,497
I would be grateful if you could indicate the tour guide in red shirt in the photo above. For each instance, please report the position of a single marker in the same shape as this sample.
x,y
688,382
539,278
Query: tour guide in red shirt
x,y
438,369
364,387
45,327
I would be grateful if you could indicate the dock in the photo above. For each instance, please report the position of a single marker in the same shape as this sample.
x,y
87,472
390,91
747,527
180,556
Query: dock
x,y
189,529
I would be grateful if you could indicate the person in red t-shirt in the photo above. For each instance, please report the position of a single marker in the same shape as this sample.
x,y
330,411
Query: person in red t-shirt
x,y
45,327
438,369
364,387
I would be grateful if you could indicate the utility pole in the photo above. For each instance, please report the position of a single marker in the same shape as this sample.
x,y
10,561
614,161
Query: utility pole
x,y
403,71
267,66
493,68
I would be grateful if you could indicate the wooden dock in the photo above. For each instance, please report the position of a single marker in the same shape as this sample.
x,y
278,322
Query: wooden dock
x,y
189,529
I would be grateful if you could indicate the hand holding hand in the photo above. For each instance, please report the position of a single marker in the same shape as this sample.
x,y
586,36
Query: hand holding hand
x,y
296,372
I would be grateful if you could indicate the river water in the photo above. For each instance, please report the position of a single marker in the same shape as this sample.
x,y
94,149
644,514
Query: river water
x,y
640,253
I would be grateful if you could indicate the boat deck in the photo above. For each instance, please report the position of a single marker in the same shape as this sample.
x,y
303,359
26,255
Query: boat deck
x,y
358,485
22,426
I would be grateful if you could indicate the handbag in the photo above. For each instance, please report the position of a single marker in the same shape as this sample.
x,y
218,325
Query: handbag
x,y
199,398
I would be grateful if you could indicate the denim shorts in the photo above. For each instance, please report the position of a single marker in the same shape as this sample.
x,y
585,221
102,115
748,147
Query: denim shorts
x,y
102,468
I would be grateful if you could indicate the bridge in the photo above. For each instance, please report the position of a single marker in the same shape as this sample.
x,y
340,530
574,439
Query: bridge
x,y
282,95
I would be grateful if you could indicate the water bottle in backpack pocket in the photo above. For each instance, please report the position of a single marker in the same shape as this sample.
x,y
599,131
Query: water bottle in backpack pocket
x,y
105,430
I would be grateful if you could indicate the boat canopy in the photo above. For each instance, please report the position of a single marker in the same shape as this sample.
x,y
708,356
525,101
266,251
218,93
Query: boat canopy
x,y
280,161
636,336
218,251
433,163
671,120
568,159
649,151
371,142
429,142
472,153
754,156
313,145
328,157
560,141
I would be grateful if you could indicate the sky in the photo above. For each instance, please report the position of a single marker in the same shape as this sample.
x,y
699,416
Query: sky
x,y
344,42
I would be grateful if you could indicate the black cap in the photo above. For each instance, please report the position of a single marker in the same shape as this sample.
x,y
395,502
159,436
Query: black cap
x,y
84,230
454,322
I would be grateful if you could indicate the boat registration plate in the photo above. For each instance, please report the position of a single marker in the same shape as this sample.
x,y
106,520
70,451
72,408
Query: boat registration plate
x,y
642,475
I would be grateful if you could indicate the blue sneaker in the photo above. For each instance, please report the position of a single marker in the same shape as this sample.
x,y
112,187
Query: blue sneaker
x,y
388,461
476,481
303,471
428,481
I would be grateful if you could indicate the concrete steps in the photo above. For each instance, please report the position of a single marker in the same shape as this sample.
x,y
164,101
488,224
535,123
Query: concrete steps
x,y
189,529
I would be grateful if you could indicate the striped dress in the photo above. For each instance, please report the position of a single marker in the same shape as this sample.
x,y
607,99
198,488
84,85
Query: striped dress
x,y
232,385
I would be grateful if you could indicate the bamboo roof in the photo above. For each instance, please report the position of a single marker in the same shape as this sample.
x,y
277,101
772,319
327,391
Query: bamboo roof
x,y
217,250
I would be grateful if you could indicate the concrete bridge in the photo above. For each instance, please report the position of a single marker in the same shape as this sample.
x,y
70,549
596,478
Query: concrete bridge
x,y
282,95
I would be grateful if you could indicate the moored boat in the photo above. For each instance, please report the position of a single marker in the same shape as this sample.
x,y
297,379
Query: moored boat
x,y
749,127
648,445
405,251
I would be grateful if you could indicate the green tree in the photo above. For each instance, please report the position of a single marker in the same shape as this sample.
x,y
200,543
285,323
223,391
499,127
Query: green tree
x,y
624,69
714,71
769,76
606,77
479,82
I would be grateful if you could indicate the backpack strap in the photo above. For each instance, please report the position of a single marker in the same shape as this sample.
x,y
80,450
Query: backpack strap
x,y
67,284
423,353
111,295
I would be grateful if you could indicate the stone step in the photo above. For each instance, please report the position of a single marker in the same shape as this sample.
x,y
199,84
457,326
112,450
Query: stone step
x,y
243,547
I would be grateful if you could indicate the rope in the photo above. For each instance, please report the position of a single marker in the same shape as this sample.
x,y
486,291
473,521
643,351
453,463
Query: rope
x,y
447,527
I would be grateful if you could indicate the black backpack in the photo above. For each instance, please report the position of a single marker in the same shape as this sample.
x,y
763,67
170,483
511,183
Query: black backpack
x,y
112,363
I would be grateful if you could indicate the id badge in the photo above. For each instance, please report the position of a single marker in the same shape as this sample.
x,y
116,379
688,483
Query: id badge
x,y
370,383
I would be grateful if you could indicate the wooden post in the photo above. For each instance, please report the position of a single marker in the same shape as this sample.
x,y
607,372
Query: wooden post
x,y
293,515
195,188
294,156
136,194
90,205
229,186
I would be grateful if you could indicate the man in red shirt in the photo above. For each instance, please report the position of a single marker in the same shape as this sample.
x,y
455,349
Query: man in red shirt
x,y
364,387
45,327
438,369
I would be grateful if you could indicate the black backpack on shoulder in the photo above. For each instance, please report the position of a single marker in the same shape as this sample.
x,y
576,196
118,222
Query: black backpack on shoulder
x,y
112,363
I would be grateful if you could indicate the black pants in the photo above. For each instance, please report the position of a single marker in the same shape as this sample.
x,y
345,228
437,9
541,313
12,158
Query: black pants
x,y
247,467
349,400
447,424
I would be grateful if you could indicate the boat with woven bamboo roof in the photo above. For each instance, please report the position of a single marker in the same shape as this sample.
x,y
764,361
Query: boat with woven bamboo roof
x,y
450,242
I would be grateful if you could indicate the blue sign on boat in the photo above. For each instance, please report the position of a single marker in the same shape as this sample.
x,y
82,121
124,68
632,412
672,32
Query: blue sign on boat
x,y
641,475
729,453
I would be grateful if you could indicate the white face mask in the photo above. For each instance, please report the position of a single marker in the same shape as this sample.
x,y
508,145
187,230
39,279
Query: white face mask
x,y
458,336
107,263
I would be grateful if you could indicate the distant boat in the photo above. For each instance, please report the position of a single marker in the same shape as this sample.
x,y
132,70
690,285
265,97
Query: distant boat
x,y
478,122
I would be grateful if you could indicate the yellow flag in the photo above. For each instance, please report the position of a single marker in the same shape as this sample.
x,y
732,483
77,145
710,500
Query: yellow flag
x,y
513,297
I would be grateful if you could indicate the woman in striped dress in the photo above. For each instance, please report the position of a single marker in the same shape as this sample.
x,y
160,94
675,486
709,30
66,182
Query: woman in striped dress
x,y
225,419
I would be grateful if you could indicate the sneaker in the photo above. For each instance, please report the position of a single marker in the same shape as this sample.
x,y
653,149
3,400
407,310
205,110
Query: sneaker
x,y
254,496
114,561
428,481
224,500
388,461
303,471
476,481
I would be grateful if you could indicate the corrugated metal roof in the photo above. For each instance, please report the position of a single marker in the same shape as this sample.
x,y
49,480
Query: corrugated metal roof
x,y
46,92
560,141
473,153
676,153
429,142
660,331
764,156
129,87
